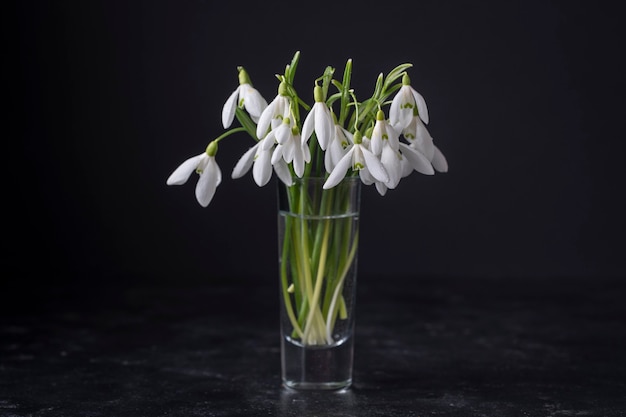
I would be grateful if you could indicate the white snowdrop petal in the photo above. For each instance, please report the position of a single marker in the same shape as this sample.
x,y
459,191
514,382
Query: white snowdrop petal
x,y
306,152
184,171
376,144
298,163
245,162
421,105
207,184
265,119
308,125
407,168
381,188
366,177
253,102
228,111
374,165
418,160
269,141
282,133
283,173
262,168
323,125
333,154
404,114
394,110
289,151
340,170
277,154
439,161
393,165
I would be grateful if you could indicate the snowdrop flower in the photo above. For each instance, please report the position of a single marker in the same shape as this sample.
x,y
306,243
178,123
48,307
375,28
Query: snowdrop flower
x,y
385,143
359,158
319,120
291,147
418,137
406,105
367,178
206,166
398,163
259,158
383,134
274,113
244,96
337,147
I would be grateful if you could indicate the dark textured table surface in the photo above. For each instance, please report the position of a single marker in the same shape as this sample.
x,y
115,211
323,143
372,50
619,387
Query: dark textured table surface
x,y
424,347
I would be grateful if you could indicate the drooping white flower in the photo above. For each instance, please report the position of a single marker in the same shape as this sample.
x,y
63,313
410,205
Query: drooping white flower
x,y
368,178
420,139
244,96
274,113
359,158
259,158
206,166
291,148
385,144
383,133
406,105
337,147
319,120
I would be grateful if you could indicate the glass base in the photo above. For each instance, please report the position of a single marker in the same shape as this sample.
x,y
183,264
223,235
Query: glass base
x,y
317,367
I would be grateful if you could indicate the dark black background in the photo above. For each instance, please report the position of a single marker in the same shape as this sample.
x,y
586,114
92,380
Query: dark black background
x,y
526,100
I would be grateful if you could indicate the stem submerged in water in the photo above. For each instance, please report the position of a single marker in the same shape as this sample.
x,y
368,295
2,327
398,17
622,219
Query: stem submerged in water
x,y
318,252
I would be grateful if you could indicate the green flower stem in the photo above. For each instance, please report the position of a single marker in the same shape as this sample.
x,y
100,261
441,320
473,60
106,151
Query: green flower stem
x,y
304,250
285,284
324,211
314,326
330,321
317,254
229,132
318,284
